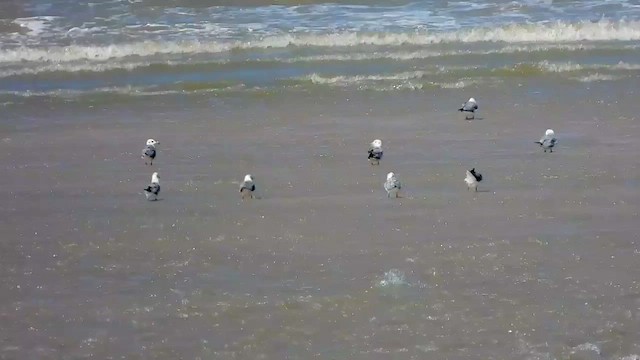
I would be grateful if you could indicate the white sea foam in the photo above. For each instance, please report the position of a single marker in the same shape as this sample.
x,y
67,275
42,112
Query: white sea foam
x,y
572,67
71,53
125,90
458,84
75,67
631,357
586,347
36,25
626,66
350,80
129,64
596,77
558,32
558,67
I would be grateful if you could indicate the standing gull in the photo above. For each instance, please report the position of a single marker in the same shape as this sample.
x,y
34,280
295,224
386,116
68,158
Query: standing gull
x,y
153,189
548,141
473,179
375,152
392,185
469,108
149,152
247,187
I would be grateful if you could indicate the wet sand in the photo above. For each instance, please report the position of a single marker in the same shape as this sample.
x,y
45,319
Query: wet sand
x,y
541,262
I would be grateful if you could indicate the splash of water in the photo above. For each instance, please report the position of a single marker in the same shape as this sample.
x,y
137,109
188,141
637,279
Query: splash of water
x,y
393,277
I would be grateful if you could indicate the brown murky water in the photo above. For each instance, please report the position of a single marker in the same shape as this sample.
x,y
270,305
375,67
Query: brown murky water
x,y
542,263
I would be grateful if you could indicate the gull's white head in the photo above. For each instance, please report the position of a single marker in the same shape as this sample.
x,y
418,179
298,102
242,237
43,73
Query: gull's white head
x,y
248,177
472,100
152,142
549,132
390,175
376,143
155,178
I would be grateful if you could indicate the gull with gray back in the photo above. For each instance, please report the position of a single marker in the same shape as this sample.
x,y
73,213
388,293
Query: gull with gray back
x,y
392,185
247,187
548,141
469,109
149,152
153,189
375,152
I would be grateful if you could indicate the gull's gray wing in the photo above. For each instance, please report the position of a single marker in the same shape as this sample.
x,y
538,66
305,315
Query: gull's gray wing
x,y
149,151
153,188
547,141
469,106
375,153
248,185
392,184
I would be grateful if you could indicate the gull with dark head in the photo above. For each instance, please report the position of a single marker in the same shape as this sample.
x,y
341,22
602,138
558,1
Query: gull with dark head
x,y
375,152
469,108
472,179
392,185
149,151
153,189
548,141
247,187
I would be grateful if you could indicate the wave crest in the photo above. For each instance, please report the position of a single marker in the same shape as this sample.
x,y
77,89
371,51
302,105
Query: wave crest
x,y
558,32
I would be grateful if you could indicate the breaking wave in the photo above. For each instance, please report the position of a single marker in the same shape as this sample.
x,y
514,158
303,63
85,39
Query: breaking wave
x,y
558,32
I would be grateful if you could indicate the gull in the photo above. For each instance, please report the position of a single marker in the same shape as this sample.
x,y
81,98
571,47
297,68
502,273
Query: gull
x,y
473,179
548,141
153,189
149,152
469,108
247,187
392,185
375,152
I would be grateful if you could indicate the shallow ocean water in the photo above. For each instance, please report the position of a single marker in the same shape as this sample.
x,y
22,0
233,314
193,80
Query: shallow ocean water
x,y
542,263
